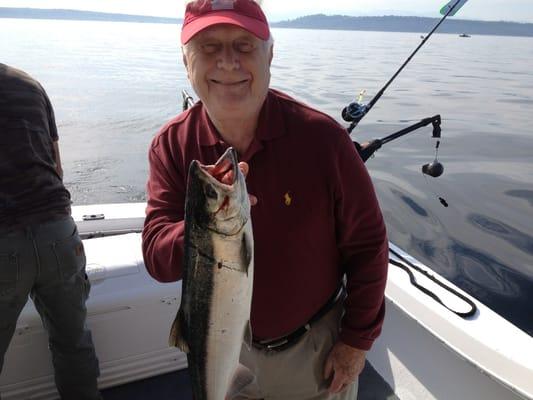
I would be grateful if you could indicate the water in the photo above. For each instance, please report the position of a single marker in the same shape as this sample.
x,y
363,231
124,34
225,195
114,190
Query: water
x,y
114,84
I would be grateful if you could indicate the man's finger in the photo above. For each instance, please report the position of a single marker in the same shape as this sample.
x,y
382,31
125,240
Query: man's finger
x,y
328,368
227,178
227,175
244,167
336,384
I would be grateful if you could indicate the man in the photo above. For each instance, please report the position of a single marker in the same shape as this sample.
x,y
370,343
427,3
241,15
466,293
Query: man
x,y
316,217
41,253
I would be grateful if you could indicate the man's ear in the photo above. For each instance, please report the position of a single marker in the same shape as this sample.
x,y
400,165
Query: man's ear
x,y
185,63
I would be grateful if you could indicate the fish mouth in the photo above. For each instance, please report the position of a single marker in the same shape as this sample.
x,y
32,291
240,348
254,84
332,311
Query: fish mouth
x,y
215,173
218,199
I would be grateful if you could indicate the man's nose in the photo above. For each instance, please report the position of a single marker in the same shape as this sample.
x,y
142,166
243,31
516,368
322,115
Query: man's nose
x,y
229,58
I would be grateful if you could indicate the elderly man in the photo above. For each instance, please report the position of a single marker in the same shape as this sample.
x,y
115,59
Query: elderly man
x,y
315,219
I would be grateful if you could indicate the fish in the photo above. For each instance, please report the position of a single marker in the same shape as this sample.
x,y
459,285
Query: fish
x,y
213,321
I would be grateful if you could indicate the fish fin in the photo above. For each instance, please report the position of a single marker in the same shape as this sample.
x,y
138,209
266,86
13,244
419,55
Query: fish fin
x,y
247,251
242,377
248,337
176,338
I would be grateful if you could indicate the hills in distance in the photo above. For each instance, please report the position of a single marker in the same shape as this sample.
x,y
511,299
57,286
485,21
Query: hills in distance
x,y
387,23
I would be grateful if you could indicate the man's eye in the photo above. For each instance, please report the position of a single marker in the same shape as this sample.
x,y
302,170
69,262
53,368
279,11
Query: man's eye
x,y
245,47
210,47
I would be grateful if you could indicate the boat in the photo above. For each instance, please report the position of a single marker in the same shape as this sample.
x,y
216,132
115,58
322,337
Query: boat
x,y
129,313
464,35
426,350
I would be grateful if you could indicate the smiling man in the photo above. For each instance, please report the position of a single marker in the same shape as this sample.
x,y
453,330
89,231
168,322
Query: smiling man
x,y
315,220
228,66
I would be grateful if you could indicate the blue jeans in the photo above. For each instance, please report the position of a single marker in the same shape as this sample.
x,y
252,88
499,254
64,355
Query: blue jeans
x,y
47,262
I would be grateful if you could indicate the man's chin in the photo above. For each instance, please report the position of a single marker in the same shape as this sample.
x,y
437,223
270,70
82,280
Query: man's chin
x,y
229,104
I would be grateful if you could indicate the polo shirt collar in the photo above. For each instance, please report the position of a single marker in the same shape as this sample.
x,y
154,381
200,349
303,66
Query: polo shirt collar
x,y
270,124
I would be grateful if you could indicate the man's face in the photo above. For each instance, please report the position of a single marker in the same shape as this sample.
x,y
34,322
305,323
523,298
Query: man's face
x,y
229,69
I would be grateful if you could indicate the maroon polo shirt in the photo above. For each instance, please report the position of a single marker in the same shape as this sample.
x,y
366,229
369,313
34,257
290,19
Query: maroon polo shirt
x,y
317,216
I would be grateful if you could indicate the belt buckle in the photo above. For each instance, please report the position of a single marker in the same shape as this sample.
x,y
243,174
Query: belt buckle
x,y
277,346
283,343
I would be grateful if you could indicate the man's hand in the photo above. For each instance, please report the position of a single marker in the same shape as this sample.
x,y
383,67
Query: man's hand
x,y
224,174
345,363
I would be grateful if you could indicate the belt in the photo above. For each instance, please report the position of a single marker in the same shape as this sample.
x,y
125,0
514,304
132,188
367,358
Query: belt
x,y
287,341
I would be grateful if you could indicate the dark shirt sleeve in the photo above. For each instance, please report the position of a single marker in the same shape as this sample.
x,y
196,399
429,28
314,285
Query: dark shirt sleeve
x,y
52,127
163,231
363,246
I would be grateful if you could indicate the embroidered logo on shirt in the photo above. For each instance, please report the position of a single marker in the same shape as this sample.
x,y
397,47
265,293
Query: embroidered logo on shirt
x,y
288,199
222,4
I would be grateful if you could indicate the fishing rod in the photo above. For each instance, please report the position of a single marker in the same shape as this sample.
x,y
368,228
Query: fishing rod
x,y
433,169
370,148
356,110
187,100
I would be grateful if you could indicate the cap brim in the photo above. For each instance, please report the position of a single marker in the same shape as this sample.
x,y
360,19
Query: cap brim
x,y
252,25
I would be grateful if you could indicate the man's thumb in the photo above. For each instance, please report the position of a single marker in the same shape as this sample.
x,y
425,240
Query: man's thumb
x,y
328,368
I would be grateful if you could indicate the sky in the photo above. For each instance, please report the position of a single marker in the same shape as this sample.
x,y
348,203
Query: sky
x,y
276,10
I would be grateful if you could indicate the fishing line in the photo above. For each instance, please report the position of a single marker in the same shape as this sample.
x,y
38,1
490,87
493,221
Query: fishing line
x,y
356,110
434,169
441,199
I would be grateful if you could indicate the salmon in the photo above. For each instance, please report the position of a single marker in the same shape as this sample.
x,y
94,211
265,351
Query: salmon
x,y
213,320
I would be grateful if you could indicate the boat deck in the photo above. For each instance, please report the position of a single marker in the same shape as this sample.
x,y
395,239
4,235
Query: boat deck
x,y
175,386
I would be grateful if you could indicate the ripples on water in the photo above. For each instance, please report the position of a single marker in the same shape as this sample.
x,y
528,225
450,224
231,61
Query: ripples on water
x,y
114,84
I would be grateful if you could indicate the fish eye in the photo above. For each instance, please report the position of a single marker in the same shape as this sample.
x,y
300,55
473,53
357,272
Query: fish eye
x,y
210,192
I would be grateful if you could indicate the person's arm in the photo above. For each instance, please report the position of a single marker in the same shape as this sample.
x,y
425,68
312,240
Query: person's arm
x,y
57,158
52,129
163,233
363,246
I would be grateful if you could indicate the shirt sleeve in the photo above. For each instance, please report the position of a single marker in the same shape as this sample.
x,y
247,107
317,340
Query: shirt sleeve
x,y
52,127
163,233
363,247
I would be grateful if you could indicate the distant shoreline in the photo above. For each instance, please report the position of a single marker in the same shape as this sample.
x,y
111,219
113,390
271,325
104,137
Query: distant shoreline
x,y
319,21
423,25
75,15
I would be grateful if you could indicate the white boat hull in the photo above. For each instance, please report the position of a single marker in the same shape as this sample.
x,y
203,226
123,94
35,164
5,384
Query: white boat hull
x,y
129,315
427,352
424,351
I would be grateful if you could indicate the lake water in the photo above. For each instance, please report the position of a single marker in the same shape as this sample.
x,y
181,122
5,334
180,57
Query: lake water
x,y
114,84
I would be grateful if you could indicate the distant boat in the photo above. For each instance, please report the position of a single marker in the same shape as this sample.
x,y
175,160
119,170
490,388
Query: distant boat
x,y
464,35
421,36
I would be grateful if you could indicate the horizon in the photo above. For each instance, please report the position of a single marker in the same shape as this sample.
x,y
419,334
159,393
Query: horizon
x,y
520,11
384,14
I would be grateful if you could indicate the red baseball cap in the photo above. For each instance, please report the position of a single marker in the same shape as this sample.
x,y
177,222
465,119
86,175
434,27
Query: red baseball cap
x,y
201,14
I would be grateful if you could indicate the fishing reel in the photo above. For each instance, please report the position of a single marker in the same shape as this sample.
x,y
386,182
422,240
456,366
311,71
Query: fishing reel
x,y
354,112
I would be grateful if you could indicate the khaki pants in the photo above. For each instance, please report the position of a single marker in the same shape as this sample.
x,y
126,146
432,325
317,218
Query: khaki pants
x,y
297,372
